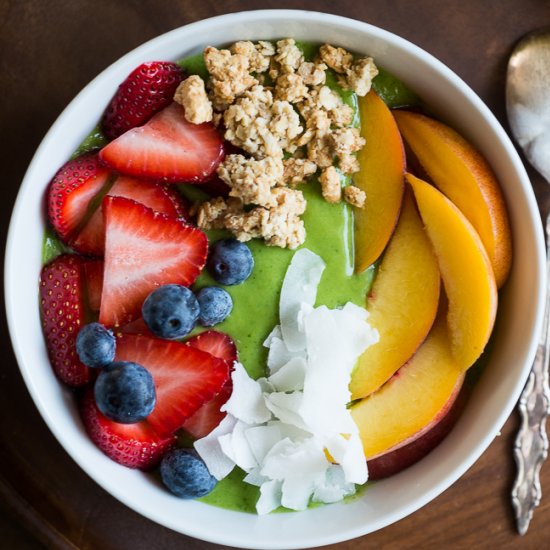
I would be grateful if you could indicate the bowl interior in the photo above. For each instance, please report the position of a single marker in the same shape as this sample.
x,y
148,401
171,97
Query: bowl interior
x,y
519,317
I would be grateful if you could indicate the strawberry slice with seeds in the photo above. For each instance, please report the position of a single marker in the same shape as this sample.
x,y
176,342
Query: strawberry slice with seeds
x,y
185,377
167,148
132,445
147,89
93,271
209,415
216,343
71,192
161,198
62,304
144,250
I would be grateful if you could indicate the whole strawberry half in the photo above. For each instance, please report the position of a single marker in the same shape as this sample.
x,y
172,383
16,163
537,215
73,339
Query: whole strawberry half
x,y
167,148
62,306
71,192
144,250
147,90
185,378
132,445
161,198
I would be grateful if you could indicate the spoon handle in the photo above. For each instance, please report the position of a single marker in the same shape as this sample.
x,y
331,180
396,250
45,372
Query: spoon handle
x,y
531,446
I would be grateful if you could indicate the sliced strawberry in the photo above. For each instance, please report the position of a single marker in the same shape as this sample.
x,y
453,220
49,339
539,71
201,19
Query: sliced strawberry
x,y
216,343
93,271
144,250
167,148
185,377
209,415
136,327
62,303
146,90
161,198
71,191
132,445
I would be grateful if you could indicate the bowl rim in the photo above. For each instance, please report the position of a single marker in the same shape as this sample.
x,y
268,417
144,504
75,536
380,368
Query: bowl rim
x,y
251,17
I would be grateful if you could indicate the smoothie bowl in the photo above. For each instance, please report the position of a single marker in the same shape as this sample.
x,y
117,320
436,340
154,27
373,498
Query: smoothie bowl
x,y
327,301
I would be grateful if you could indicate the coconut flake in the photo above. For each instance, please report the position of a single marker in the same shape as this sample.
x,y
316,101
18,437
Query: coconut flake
x,y
270,497
333,486
235,445
261,440
291,376
299,287
286,407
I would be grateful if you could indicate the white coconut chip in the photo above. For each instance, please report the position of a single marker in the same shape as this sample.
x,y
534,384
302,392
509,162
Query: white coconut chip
x,y
279,355
246,402
254,477
299,287
235,446
270,497
291,376
286,407
261,440
333,487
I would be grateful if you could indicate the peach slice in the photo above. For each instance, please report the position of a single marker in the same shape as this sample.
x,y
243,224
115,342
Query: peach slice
x,y
414,400
382,162
402,303
465,177
466,271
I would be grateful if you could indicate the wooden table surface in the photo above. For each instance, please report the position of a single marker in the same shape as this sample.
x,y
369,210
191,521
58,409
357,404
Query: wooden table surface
x,y
49,49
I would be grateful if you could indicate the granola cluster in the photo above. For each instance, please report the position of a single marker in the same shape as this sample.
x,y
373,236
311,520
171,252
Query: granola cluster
x,y
278,109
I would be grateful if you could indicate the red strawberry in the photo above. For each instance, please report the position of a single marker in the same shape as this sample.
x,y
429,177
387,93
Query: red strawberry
x,y
93,271
62,304
216,343
71,191
132,445
144,250
136,327
161,198
167,148
185,377
147,90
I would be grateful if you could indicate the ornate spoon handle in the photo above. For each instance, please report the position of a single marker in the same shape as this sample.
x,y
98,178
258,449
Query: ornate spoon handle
x,y
531,446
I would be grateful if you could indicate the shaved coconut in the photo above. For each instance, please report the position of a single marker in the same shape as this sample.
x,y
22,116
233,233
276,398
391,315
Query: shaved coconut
x,y
290,431
254,477
246,402
270,497
275,333
333,487
209,449
290,377
235,446
353,463
299,286
279,355
286,406
261,440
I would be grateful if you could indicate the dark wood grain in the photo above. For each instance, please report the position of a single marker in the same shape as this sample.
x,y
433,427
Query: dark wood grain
x,y
48,51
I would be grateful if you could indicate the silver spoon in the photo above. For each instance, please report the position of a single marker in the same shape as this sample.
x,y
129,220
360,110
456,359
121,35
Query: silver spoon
x,y
528,108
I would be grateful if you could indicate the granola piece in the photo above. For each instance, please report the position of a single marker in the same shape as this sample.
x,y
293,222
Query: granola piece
x,y
317,125
297,170
348,163
331,188
325,99
230,76
251,180
259,55
346,141
359,77
355,196
191,94
319,151
290,87
289,202
313,74
285,123
338,59
212,214
289,57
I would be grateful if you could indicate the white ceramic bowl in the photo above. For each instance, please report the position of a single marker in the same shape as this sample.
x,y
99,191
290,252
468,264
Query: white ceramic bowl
x,y
519,319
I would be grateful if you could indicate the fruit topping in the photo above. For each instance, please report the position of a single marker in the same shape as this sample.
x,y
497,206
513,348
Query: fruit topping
x,y
215,305
95,345
147,90
167,148
185,474
185,377
93,270
171,311
132,445
125,392
63,314
216,343
230,262
71,191
143,250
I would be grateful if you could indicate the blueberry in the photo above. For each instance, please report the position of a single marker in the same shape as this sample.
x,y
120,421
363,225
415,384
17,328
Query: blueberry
x,y
95,345
230,262
125,392
215,304
170,311
185,474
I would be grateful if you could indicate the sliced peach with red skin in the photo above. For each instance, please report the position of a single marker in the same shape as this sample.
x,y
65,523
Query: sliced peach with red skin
x,y
402,303
466,272
458,170
414,400
382,167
